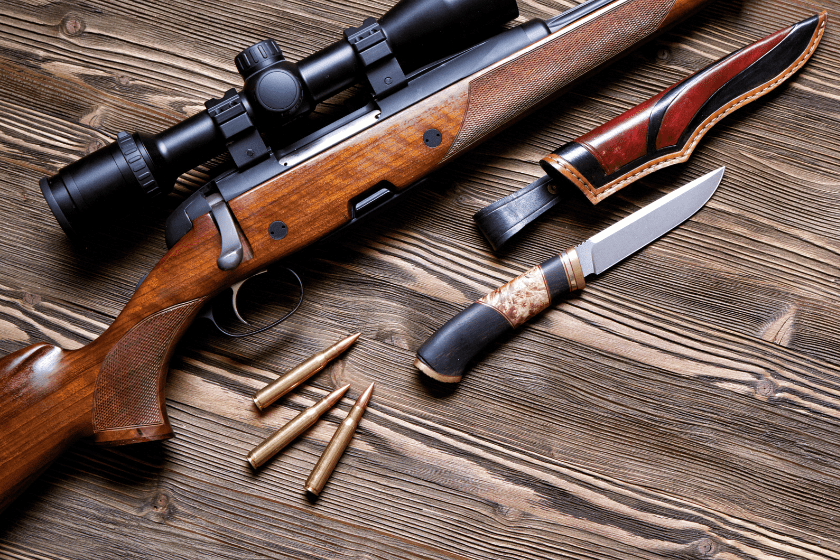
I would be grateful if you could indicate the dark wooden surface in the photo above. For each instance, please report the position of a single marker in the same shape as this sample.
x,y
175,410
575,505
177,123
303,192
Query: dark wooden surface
x,y
686,405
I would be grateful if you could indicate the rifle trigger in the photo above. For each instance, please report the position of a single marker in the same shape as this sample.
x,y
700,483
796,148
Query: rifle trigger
x,y
209,313
235,295
231,254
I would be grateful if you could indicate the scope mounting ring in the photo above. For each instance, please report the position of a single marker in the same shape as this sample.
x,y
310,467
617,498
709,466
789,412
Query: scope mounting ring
x,y
382,70
243,140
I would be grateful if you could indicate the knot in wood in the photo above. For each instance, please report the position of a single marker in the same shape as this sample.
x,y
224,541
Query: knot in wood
x,y
508,515
160,508
336,373
394,336
161,502
663,54
72,25
765,388
705,548
94,145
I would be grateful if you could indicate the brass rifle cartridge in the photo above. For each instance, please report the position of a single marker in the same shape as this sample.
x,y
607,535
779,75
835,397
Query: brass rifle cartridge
x,y
299,424
339,442
301,373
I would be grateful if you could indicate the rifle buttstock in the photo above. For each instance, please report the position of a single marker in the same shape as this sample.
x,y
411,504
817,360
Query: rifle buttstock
x,y
44,408
111,390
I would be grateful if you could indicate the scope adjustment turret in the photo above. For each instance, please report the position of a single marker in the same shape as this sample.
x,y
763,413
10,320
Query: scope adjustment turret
x,y
259,55
274,84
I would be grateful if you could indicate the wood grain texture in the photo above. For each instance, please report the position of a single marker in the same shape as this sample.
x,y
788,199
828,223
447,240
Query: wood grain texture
x,y
685,405
508,90
112,389
312,198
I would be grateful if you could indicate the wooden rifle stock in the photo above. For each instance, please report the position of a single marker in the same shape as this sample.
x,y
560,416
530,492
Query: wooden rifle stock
x,y
113,389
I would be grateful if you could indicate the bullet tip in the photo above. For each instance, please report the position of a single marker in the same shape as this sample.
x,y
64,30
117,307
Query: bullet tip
x,y
345,343
251,462
340,391
363,399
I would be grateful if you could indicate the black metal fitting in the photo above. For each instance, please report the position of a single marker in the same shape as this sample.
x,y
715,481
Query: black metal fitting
x,y
378,62
107,185
241,136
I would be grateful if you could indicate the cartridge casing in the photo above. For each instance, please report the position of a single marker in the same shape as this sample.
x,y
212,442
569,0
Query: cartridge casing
x,y
299,424
339,442
301,372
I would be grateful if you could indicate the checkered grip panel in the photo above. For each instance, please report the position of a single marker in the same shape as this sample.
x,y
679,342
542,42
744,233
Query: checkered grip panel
x,y
132,373
511,90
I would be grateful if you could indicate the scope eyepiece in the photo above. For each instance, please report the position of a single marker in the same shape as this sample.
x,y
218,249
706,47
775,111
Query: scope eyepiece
x,y
104,187
118,168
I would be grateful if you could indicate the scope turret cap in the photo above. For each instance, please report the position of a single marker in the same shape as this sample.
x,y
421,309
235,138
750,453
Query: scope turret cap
x,y
278,90
257,56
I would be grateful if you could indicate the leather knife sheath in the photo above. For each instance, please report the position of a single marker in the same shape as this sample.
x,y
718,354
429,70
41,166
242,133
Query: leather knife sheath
x,y
660,132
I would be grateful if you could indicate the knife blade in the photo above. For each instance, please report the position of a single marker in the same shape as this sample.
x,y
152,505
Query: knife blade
x,y
445,355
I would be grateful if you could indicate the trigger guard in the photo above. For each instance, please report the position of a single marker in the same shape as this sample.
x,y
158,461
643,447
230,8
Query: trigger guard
x,y
234,298
207,312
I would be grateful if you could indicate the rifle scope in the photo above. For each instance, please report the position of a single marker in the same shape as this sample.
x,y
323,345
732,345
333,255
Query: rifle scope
x,y
101,187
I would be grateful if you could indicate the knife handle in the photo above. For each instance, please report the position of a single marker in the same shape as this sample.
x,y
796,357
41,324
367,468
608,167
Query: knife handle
x,y
445,355
665,129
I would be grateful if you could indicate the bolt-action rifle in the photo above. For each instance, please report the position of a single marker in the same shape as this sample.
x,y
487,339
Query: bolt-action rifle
x,y
427,107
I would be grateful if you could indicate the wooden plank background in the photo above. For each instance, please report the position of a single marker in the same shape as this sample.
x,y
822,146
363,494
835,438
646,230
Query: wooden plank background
x,y
687,405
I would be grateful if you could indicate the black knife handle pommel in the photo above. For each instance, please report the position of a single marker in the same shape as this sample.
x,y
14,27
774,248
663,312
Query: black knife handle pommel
x,y
445,355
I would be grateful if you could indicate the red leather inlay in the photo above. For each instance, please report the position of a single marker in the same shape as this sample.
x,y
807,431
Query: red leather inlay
x,y
685,106
623,139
